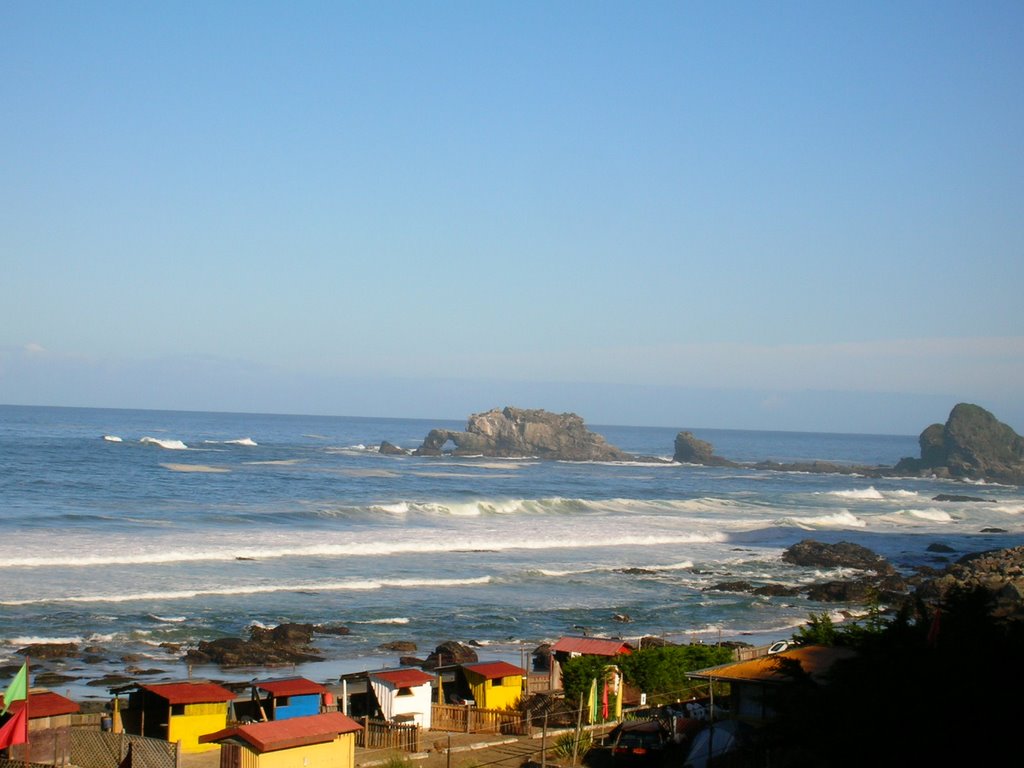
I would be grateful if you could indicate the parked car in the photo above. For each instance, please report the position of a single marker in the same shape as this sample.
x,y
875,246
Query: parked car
x,y
640,742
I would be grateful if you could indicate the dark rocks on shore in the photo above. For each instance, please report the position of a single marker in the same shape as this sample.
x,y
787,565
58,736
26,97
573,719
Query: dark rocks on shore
x,y
331,629
49,650
958,497
844,554
266,647
521,433
998,572
402,646
450,652
389,449
52,679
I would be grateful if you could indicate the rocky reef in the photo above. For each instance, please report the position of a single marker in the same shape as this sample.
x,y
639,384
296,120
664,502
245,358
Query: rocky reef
x,y
971,445
520,433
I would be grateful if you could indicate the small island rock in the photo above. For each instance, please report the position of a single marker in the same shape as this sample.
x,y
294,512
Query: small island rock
x,y
521,433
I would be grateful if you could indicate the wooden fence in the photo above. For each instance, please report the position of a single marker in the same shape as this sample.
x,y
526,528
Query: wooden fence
x,y
103,749
470,719
380,734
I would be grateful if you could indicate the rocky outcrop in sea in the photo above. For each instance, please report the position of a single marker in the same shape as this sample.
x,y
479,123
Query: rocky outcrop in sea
x,y
971,445
520,433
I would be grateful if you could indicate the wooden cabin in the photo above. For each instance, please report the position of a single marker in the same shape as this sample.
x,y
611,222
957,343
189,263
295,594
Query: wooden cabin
x,y
495,684
755,684
288,697
178,712
50,717
403,695
569,647
312,741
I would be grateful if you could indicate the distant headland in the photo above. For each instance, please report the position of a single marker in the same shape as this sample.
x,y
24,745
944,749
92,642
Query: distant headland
x,y
971,445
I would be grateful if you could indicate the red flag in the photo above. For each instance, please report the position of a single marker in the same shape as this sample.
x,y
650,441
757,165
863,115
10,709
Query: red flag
x,y
15,730
604,701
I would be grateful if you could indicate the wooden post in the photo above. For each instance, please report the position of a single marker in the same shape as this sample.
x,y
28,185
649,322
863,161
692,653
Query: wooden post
x,y
544,743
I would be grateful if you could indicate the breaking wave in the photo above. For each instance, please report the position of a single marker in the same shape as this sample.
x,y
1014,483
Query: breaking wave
x,y
262,589
170,445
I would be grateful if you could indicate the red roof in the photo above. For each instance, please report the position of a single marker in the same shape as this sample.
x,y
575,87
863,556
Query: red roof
x,y
287,734
291,686
591,646
44,704
491,670
189,693
403,678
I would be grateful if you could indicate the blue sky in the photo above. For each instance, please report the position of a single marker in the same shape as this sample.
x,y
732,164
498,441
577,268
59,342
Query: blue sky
x,y
785,215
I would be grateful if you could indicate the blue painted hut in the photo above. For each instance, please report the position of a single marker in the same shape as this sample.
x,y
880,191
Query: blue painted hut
x,y
289,697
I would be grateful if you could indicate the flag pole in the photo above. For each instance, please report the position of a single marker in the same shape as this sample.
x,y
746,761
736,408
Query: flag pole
x,y
28,692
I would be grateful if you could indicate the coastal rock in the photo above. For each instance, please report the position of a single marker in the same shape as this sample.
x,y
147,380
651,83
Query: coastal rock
x,y
692,450
402,646
450,652
519,433
284,644
1000,573
332,629
389,449
49,650
973,445
815,554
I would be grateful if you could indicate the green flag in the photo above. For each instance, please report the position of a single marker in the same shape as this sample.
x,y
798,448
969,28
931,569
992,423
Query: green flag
x,y
18,689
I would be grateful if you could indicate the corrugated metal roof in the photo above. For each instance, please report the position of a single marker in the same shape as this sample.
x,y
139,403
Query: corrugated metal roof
x,y
591,646
291,686
814,660
287,734
189,693
44,704
403,678
491,670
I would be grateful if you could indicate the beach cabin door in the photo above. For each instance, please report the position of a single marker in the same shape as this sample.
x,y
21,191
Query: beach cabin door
x,y
230,756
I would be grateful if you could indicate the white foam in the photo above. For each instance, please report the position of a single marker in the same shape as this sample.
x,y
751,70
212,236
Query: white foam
x,y
840,519
163,556
242,441
931,514
394,620
870,493
168,619
259,589
170,445
200,468
112,438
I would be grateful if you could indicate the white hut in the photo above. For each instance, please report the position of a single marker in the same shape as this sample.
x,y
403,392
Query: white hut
x,y
404,695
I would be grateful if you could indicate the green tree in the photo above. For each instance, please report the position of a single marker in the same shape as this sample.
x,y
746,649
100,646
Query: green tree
x,y
578,673
661,672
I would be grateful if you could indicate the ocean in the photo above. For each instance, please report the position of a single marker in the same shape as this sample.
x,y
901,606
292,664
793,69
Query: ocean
x,y
125,529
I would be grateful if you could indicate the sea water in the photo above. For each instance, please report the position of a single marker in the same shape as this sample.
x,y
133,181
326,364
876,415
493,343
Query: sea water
x,y
144,532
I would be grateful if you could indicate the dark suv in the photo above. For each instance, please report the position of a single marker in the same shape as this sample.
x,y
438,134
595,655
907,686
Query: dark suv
x,y
642,742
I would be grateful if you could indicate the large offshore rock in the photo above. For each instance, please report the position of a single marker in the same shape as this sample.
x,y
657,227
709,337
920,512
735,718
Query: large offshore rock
x,y
689,449
972,444
518,433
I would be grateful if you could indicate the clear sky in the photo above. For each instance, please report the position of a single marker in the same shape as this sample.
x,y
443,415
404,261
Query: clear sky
x,y
785,215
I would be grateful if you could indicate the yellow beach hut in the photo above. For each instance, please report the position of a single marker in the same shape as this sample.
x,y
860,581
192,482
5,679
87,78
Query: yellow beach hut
x,y
178,712
495,684
313,741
